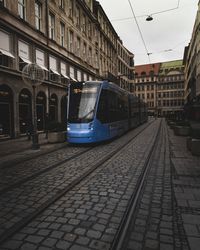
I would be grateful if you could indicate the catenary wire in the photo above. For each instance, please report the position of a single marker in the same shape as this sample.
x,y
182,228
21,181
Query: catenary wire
x,y
147,52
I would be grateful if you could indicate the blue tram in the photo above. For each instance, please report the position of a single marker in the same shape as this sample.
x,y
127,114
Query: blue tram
x,y
101,110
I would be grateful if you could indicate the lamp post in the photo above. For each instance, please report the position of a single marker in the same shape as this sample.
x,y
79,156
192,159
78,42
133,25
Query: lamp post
x,y
33,75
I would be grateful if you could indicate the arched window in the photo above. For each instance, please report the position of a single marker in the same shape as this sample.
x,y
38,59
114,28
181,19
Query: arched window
x,y
6,111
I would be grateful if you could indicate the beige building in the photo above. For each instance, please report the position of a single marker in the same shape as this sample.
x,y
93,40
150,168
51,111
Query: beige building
x,y
71,40
145,81
125,67
192,72
161,86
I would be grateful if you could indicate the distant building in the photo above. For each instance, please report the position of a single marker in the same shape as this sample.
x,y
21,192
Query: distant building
x,y
71,40
161,86
170,89
125,67
192,72
146,80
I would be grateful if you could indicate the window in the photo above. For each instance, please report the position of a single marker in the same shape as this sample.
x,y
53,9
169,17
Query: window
x,y
64,77
71,9
24,54
62,34
38,15
71,40
51,26
22,9
84,51
54,75
90,56
6,57
61,4
84,24
72,73
78,16
78,46
89,29
40,60
79,77
3,2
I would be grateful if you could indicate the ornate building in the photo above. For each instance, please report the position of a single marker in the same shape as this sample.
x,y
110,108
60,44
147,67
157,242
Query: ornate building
x,y
71,40
146,80
125,67
192,72
161,86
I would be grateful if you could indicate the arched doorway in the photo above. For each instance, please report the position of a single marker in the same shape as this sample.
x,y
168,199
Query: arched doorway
x,y
53,108
25,111
41,109
6,111
64,109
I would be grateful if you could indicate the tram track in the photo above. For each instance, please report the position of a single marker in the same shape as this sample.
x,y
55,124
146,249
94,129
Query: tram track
x,y
59,191
24,172
41,171
129,215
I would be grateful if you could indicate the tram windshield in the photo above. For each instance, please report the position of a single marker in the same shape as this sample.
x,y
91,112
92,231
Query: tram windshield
x,y
82,101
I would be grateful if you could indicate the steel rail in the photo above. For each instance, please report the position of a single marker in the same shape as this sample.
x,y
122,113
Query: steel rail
x,y
19,225
119,238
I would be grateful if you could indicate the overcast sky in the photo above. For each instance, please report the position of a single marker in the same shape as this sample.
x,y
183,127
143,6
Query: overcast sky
x,y
165,37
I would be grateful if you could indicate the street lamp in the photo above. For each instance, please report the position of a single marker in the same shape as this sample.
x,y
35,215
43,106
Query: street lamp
x,y
33,75
149,18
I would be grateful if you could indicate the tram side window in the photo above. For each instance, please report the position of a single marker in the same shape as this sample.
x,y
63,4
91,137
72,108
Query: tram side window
x,y
102,111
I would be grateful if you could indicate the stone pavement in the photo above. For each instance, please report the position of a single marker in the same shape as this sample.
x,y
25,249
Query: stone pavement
x,y
183,186
15,150
186,187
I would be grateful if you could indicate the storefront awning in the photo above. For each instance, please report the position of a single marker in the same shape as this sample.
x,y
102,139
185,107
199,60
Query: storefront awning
x,y
55,72
43,67
73,79
6,53
65,76
25,60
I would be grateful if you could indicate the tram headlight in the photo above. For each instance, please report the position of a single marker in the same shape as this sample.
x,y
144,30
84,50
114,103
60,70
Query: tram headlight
x,y
68,128
91,126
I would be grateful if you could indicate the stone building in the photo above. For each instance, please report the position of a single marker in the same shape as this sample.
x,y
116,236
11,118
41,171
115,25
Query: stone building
x,y
125,67
146,80
71,40
170,89
161,86
192,72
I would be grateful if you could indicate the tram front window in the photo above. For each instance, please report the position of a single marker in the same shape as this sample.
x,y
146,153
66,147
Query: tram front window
x,y
82,102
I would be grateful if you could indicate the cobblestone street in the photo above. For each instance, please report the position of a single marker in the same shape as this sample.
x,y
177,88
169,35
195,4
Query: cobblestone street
x,y
89,214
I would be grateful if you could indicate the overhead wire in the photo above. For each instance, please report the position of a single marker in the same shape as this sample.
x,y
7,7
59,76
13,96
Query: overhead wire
x,y
147,52
146,15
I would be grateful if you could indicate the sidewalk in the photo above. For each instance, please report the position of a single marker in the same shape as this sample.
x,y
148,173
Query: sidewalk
x,y
186,188
13,151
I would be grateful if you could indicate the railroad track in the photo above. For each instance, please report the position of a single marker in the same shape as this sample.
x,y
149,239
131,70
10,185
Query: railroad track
x,y
120,240
58,191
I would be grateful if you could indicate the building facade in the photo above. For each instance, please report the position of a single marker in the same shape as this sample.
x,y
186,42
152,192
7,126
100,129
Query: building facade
x,y
146,81
161,86
71,40
125,67
192,72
